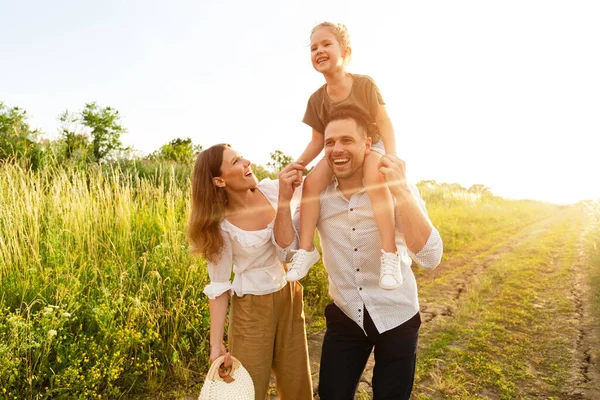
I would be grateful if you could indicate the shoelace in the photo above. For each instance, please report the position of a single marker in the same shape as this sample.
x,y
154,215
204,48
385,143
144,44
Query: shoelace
x,y
298,258
388,265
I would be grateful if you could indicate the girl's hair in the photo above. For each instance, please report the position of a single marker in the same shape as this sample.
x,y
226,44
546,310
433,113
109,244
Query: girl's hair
x,y
339,30
208,204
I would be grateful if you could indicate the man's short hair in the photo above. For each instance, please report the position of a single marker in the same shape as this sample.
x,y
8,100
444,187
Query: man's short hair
x,y
363,121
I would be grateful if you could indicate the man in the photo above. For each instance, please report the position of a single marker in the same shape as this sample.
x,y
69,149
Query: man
x,y
363,316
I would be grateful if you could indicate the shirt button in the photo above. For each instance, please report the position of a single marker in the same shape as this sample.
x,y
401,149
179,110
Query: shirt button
x,y
357,269
359,310
355,249
353,229
359,288
352,209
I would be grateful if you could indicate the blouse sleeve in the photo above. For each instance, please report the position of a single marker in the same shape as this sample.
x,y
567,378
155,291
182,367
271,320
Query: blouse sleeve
x,y
220,272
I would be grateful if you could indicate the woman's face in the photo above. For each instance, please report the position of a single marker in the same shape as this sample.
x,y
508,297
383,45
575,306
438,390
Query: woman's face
x,y
236,173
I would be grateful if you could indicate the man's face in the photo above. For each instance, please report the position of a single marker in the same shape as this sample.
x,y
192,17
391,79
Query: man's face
x,y
345,148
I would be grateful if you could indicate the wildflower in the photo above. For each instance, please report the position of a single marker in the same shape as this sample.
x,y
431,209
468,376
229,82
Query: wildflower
x,y
52,332
66,314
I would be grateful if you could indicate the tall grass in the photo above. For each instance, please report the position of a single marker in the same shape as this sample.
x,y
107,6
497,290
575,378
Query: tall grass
x,y
99,293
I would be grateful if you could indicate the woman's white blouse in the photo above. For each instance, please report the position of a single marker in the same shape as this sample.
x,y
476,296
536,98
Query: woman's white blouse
x,y
250,254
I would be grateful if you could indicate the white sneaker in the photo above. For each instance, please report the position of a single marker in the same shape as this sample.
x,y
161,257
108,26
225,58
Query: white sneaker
x,y
301,263
390,277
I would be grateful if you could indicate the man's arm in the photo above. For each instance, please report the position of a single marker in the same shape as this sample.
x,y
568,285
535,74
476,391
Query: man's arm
x,y
422,239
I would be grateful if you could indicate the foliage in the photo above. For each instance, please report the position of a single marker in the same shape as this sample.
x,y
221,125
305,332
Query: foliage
x,y
17,139
261,173
278,161
76,143
100,296
177,150
105,129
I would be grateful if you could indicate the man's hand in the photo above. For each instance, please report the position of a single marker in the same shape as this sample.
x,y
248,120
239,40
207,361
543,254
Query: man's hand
x,y
289,179
393,170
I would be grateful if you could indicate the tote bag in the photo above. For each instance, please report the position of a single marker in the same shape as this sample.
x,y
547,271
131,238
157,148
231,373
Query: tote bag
x,y
239,387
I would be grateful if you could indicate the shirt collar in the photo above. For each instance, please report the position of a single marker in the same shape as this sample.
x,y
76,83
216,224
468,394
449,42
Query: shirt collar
x,y
335,185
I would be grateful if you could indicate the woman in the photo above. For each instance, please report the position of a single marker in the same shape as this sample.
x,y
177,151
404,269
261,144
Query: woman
x,y
231,225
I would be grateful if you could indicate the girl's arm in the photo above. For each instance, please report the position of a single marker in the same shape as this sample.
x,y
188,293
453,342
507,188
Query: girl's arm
x,y
218,315
386,130
313,149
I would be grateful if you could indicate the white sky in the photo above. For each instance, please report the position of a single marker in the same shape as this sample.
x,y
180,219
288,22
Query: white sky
x,y
503,93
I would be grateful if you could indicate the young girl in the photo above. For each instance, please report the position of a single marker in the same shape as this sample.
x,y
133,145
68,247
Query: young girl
x,y
231,225
330,53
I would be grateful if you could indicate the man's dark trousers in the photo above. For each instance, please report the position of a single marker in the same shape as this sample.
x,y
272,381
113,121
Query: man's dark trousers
x,y
346,350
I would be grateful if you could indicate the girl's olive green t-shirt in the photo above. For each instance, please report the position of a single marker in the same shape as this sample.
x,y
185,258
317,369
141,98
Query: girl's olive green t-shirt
x,y
364,95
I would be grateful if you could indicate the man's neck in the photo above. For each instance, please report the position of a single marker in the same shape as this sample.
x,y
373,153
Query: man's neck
x,y
351,185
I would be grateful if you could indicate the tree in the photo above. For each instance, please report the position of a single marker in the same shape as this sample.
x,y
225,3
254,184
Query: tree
x,y
105,129
279,160
178,150
76,143
17,139
480,189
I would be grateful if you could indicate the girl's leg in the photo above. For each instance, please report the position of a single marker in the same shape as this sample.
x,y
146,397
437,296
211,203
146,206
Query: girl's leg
x,y
382,202
383,210
307,255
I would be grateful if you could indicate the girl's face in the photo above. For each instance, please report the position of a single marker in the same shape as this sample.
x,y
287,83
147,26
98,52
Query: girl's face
x,y
325,51
236,174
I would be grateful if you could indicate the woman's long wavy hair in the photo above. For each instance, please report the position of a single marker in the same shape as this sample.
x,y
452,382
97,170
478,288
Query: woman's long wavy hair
x,y
208,204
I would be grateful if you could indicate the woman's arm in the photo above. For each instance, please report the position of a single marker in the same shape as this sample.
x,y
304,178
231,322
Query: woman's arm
x,y
284,233
386,130
218,314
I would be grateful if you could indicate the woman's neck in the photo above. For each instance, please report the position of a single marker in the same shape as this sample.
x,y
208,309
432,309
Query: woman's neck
x,y
239,201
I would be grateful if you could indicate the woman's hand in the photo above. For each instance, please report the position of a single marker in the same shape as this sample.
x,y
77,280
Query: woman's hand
x,y
218,351
289,179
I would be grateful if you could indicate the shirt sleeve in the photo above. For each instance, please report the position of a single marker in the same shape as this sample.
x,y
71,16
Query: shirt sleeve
x,y
219,272
430,255
311,116
374,98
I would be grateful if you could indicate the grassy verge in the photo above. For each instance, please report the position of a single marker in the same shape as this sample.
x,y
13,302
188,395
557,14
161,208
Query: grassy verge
x,y
512,335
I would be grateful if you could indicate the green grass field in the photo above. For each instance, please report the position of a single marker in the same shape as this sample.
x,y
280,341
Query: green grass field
x,y
101,299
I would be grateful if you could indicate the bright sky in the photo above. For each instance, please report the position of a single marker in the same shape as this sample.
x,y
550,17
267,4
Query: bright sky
x,y
504,93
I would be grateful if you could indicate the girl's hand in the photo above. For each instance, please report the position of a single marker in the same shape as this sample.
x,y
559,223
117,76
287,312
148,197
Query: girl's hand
x,y
393,170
